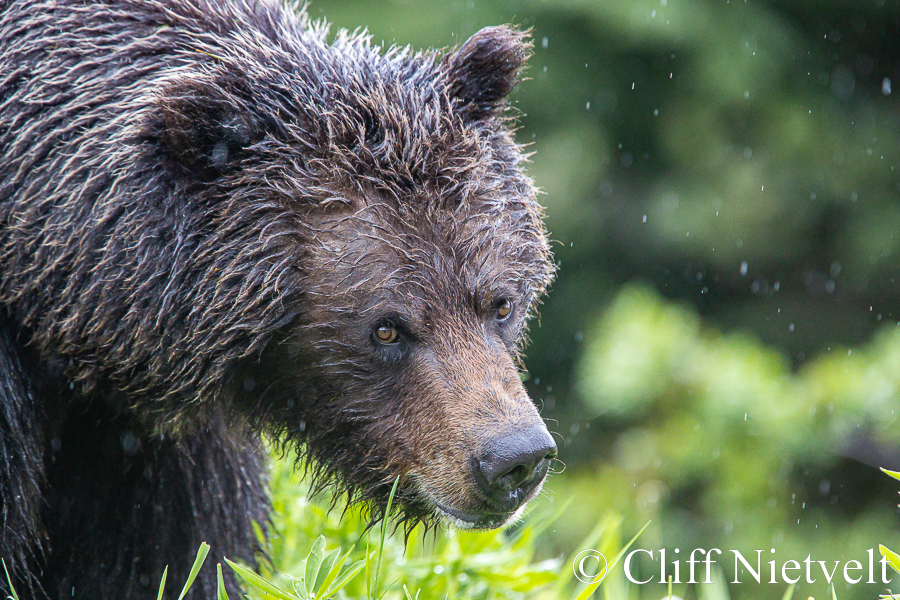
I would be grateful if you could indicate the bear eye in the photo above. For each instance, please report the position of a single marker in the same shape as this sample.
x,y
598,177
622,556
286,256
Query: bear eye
x,y
386,334
504,309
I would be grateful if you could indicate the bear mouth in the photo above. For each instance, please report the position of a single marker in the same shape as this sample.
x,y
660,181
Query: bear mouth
x,y
484,520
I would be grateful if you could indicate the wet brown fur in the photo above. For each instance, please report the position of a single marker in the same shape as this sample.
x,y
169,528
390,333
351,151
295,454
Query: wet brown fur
x,y
205,209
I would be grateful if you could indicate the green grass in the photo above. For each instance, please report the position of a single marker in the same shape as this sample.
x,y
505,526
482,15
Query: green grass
x,y
320,553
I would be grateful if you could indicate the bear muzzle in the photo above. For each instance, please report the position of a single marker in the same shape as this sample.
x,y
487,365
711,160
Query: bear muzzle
x,y
502,479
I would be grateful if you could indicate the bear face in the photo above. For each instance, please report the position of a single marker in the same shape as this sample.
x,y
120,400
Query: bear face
x,y
412,324
417,283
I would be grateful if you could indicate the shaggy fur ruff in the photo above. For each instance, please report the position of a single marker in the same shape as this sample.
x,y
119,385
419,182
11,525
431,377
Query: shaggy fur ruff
x,y
205,208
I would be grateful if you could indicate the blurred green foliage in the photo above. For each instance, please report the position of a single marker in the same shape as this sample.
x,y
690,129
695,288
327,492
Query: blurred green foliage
x,y
722,444
721,351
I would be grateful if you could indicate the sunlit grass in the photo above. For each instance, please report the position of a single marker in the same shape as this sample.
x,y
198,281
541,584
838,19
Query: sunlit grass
x,y
446,565
318,552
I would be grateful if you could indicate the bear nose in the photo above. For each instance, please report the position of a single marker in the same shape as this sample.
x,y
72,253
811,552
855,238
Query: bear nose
x,y
513,465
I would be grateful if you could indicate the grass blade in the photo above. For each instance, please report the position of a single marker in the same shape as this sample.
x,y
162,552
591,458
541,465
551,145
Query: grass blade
x,y
789,593
600,530
260,583
198,562
12,590
368,572
162,583
221,594
344,579
891,556
894,474
586,593
384,524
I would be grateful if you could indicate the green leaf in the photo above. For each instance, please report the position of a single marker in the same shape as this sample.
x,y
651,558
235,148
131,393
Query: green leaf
x,y
331,566
833,593
891,556
314,562
198,562
221,594
260,583
894,474
299,587
345,578
162,583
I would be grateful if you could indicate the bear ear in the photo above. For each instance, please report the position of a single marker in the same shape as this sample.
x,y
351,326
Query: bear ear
x,y
483,71
203,128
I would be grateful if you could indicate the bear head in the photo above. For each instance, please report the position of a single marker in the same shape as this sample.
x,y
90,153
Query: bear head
x,y
390,253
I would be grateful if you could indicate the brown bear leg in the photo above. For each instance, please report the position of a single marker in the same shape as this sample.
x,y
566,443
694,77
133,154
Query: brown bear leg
x,y
123,504
21,468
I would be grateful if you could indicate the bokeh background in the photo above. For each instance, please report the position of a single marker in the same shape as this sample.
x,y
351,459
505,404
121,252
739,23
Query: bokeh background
x,y
721,351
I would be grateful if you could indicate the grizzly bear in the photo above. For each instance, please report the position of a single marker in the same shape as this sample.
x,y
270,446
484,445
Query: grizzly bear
x,y
217,225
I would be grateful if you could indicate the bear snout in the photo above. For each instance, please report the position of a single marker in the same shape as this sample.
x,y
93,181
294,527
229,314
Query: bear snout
x,y
487,450
513,466
491,485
